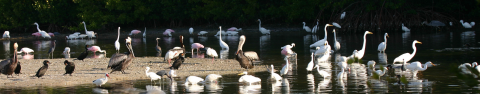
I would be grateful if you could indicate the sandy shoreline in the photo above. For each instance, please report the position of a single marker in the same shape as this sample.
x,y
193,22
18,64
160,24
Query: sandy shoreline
x,y
91,69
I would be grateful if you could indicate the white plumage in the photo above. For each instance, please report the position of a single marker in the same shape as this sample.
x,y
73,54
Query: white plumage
x,y
222,43
248,78
117,44
145,32
336,25
342,16
25,50
190,30
321,42
101,81
306,28
310,64
382,46
285,69
416,66
6,34
202,33
212,78
90,34
273,75
337,44
359,54
152,75
371,64
261,29
211,52
194,80
407,56
325,49
404,28
67,50
323,73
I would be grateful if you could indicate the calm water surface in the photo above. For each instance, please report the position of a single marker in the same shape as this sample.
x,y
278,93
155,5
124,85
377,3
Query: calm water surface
x,y
442,48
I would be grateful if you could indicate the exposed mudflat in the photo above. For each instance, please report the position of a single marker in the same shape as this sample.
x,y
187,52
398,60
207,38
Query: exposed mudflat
x,y
91,69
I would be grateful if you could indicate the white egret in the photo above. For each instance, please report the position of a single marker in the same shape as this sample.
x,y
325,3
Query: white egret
x,y
90,34
359,54
381,72
336,44
6,34
261,29
315,28
285,69
306,28
382,46
101,81
404,28
407,56
336,25
321,42
342,16
222,43
371,64
190,30
416,66
152,75
325,49
248,78
145,32
323,73
273,75
310,64
117,44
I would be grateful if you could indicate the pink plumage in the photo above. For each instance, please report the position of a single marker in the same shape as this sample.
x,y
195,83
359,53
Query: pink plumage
x,y
135,32
167,32
170,30
51,34
284,52
197,46
232,29
37,34
94,49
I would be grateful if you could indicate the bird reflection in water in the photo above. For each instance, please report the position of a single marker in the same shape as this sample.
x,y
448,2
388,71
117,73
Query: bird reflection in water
x,y
276,86
154,89
194,88
224,54
100,91
264,44
168,42
311,82
213,87
202,39
382,58
66,56
173,86
26,56
285,85
250,88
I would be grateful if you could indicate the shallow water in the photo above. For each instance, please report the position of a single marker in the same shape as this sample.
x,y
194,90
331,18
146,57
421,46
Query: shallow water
x,y
442,48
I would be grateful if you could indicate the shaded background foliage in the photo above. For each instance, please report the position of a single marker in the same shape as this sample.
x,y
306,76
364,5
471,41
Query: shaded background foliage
x,y
66,15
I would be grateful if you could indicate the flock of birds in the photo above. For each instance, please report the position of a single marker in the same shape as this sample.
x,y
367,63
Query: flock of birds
x,y
121,61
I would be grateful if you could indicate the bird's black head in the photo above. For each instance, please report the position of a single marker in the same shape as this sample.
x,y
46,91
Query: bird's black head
x,y
46,62
66,62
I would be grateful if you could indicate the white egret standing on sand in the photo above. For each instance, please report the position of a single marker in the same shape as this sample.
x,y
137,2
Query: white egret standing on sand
x,y
382,46
306,28
416,66
117,44
222,43
407,56
152,75
359,54
261,29
337,44
321,42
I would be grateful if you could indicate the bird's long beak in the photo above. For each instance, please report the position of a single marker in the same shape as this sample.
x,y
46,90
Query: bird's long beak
x,y
419,42
387,36
329,25
433,64
368,32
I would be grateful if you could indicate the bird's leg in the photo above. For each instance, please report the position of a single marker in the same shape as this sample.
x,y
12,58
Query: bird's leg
x,y
212,59
111,72
124,72
169,62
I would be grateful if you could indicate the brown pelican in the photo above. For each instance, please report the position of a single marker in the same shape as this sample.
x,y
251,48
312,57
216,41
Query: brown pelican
x,y
120,61
8,66
69,67
42,69
245,59
83,55
18,69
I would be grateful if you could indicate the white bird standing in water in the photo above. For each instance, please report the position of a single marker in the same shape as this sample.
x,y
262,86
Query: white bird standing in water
x,y
273,75
416,66
152,75
336,25
380,72
404,28
248,78
382,46
6,34
359,54
310,64
222,43
407,56
337,44
190,30
117,44
285,68
261,29
342,16
321,42
101,81
145,33
194,80
306,28
90,34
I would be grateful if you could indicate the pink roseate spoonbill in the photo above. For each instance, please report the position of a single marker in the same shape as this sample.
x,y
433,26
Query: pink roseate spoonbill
x,y
51,34
196,46
37,34
212,53
101,81
287,49
25,50
95,49
6,34
168,32
134,32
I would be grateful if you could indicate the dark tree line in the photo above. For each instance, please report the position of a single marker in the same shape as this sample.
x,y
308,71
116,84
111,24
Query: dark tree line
x,y
66,15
